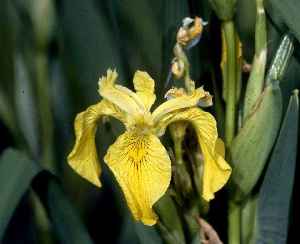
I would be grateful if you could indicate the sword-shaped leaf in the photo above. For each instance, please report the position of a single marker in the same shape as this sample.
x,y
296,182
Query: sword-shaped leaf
x,y
276,190
16,174
65,221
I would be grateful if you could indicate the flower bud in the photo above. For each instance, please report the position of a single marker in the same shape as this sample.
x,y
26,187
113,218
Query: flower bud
x,y
190,32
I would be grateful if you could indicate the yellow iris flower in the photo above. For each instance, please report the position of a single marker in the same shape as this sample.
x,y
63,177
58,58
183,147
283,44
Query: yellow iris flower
x,y
137,158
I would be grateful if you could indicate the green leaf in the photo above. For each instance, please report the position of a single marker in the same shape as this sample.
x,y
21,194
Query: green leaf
x,y
90,47
252,146
7,50
16,174
25,106
147,235
285,15
140,32
64,219
275,195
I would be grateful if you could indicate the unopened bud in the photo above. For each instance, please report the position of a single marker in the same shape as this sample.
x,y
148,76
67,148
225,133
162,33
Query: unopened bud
x,y
190,32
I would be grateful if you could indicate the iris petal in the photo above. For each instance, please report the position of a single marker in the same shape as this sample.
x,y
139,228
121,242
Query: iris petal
x,y
144,86
142,167
179,102
216,169
83,158
121,96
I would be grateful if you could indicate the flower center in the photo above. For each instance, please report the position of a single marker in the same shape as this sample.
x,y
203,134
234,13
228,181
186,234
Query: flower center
x,y
142,124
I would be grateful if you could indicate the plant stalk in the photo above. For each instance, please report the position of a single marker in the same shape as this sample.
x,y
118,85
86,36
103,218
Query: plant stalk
x,y
230,120
234,215
234,218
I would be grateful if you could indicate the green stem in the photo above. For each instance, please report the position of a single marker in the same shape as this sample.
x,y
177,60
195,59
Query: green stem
x,y
230,120
234,218
248,219
180,54
178,152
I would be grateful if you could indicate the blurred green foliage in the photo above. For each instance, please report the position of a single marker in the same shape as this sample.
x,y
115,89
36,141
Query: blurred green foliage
x,y
52,53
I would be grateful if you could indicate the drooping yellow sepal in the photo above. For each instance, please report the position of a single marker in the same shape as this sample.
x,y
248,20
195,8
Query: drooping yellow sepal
x,y
216,170
142,167
83,158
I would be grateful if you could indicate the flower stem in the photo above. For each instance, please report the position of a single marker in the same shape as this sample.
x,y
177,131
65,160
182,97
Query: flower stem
x,y
181,55
229,33
234,215
234,218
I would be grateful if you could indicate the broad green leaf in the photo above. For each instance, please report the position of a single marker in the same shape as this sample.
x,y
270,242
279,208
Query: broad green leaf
x,y
7,50
140,32
89,48
25,103
16,174
275,195
285,15
65,221
252,146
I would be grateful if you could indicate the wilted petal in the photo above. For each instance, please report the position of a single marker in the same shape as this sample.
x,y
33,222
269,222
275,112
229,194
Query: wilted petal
x,y
144,86
142,167
83,158
216,170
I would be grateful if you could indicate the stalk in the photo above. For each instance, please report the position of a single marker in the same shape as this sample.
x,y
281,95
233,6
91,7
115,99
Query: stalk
x,y
230,120
234,214
234,221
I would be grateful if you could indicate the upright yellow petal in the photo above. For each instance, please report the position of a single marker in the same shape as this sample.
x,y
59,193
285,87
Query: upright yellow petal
x,y
216,170
178,101
83,158
121,96
144,86
142,167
